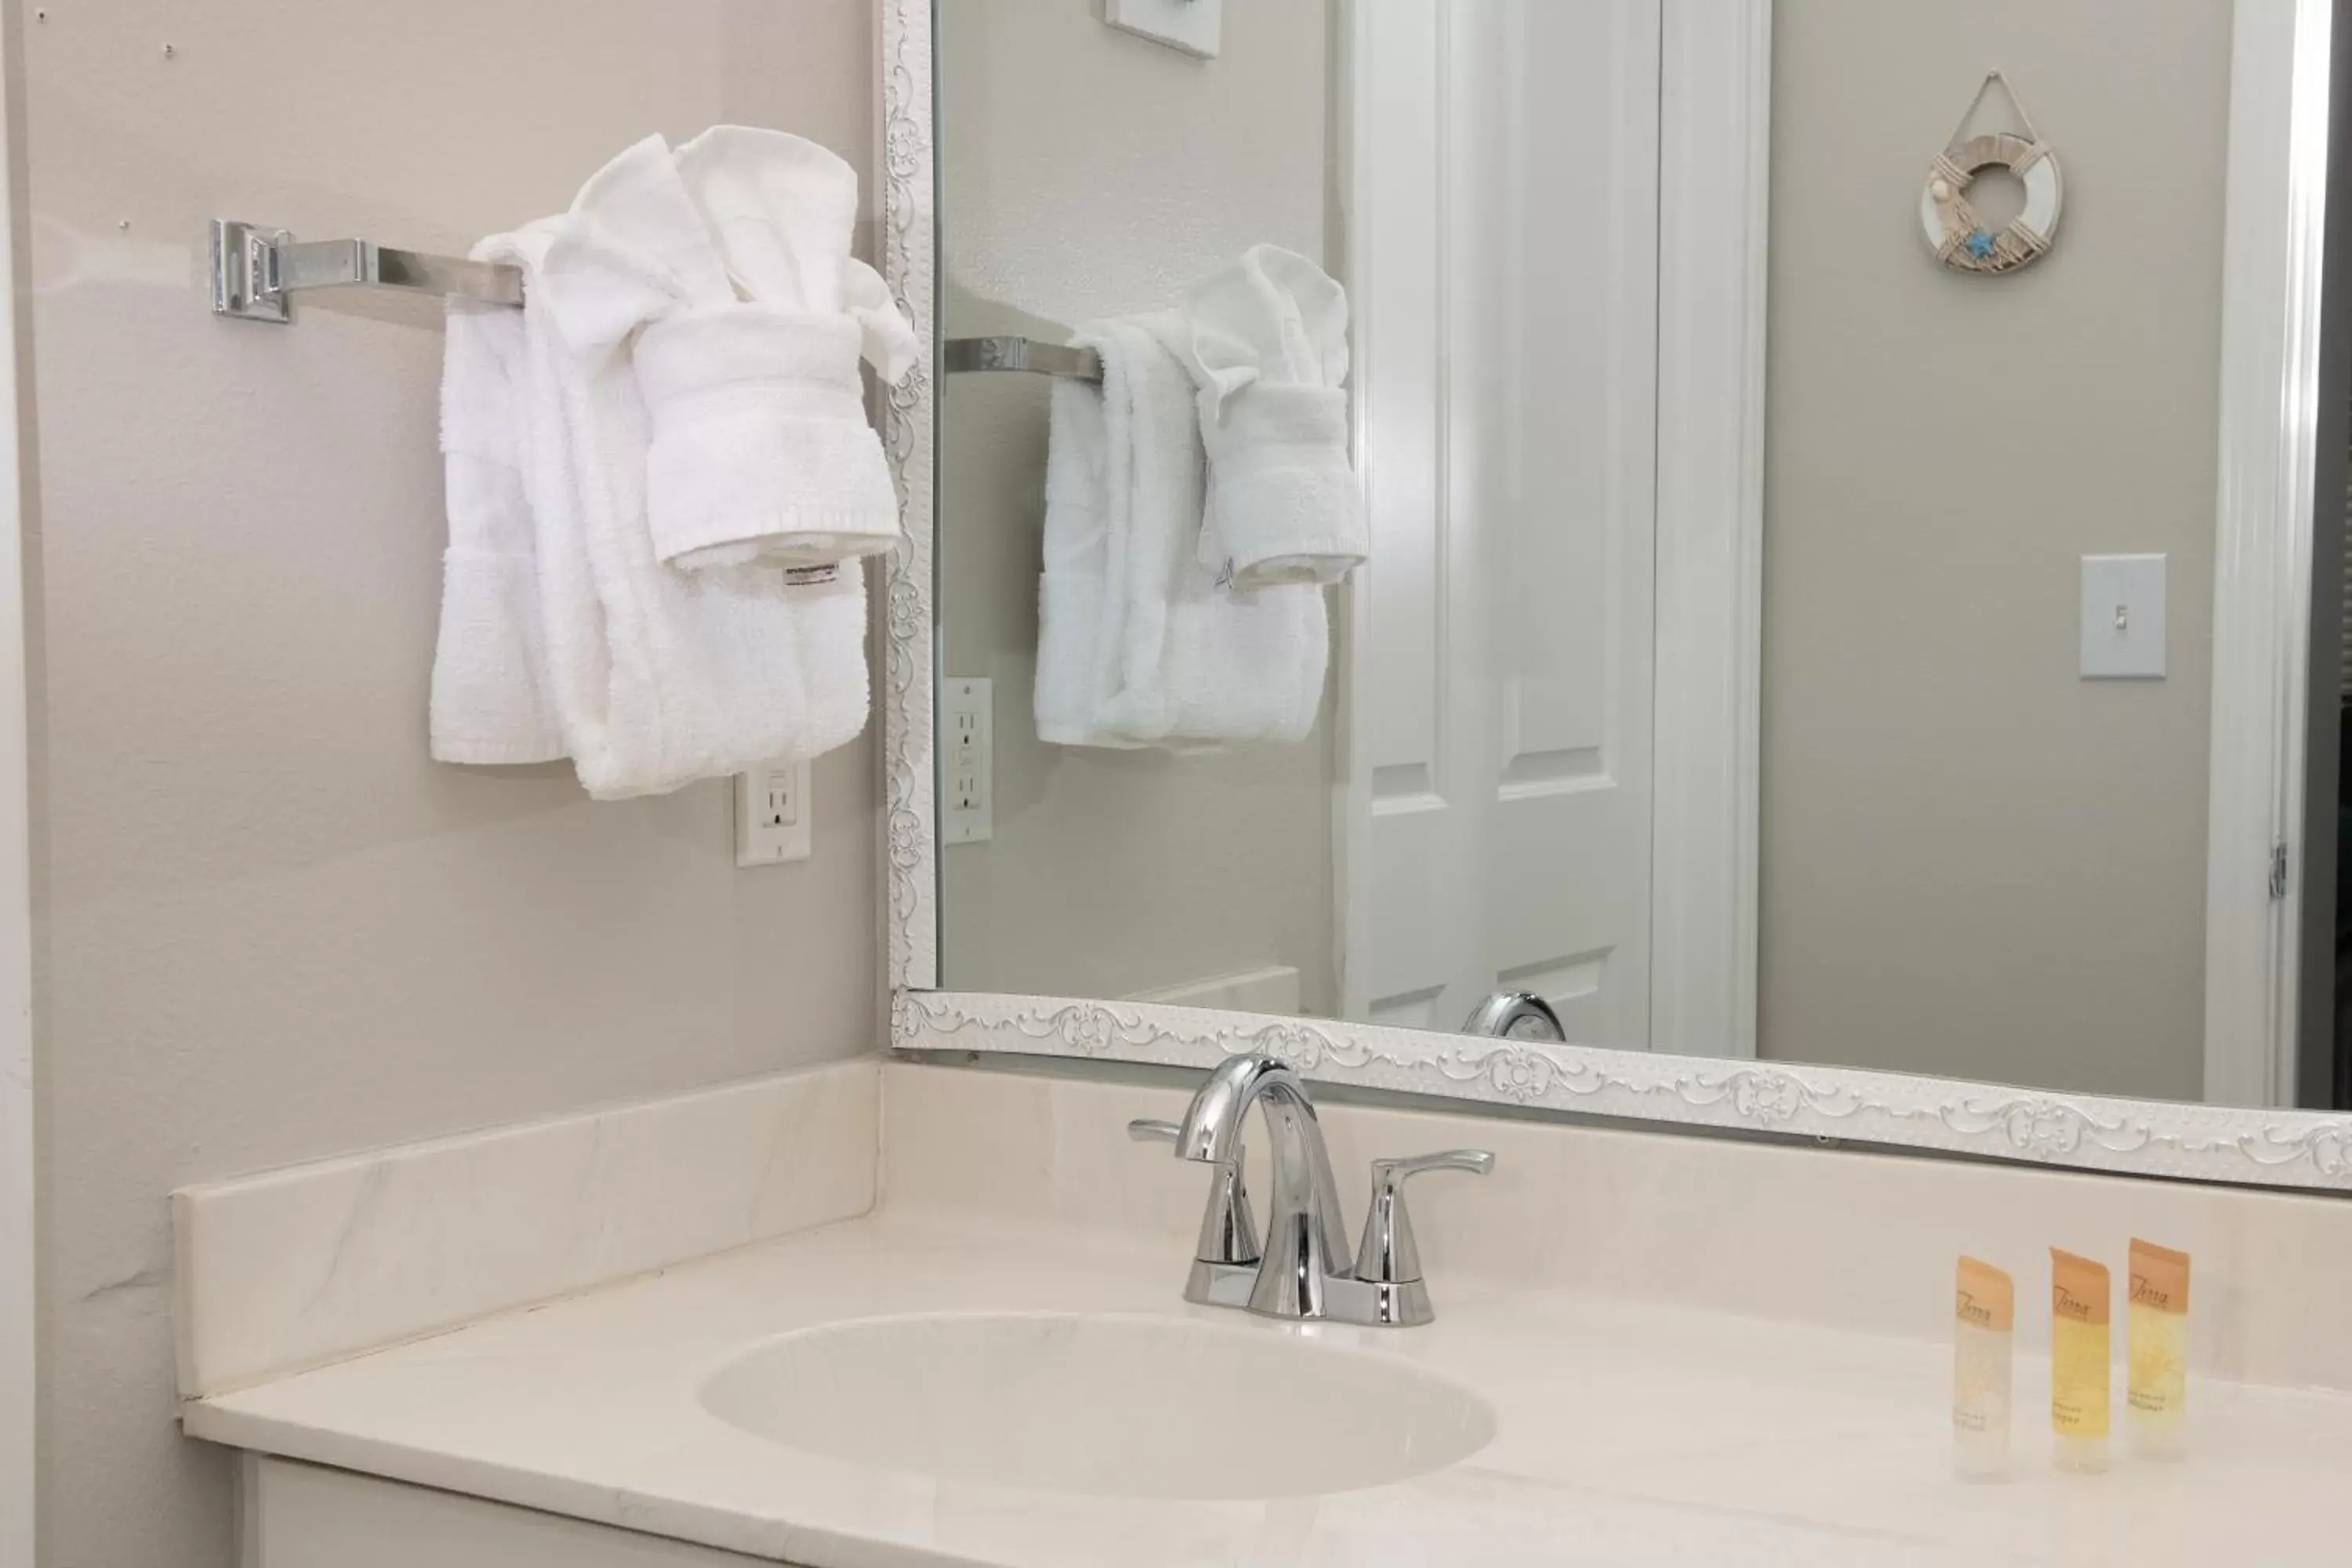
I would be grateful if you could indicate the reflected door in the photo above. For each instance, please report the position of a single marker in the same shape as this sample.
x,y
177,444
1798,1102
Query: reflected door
x,y
1505,267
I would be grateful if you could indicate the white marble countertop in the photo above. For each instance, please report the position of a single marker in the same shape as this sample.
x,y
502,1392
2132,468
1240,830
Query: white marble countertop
x,y
1629,1434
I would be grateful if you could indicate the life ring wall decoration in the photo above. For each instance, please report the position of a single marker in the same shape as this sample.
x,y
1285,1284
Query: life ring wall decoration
x,y
1954,231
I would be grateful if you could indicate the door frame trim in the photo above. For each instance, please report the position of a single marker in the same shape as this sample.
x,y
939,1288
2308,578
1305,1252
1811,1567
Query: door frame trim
x,y
18,1310
2272,281
1715,75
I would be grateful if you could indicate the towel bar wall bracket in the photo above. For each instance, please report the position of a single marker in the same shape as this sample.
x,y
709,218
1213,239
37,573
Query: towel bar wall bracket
x,y
255,271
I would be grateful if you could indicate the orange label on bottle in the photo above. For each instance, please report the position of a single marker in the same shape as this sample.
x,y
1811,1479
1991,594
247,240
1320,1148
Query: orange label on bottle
x,y
1984,1297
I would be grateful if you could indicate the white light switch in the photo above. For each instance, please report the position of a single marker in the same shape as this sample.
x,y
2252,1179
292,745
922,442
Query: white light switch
x,y
2123,617
967,731
1191,25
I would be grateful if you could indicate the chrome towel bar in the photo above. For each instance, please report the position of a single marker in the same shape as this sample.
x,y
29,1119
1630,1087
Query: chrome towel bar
x,y
959,354
255,271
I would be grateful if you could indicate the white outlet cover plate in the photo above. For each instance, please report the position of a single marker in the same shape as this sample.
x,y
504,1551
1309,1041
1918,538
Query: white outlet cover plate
x,y
760,841
967,760
1191,25
2123,617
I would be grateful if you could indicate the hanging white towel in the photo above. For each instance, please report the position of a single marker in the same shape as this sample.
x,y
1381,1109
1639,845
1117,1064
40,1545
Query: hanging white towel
x,y
1078,616
1138,643
760,448
656,677
490,701
1266,340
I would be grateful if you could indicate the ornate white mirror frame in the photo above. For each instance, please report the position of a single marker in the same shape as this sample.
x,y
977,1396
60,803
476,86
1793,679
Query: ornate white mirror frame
x,y
2278,157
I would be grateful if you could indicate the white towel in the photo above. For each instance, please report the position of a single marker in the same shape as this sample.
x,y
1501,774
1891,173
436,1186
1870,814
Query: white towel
x,y
1078,618
491,700
656,677
1266,340
761,450
1138,643
782,210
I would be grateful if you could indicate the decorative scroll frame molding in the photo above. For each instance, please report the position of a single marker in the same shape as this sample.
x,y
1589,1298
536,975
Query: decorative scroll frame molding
x,y
909,260
2143,1138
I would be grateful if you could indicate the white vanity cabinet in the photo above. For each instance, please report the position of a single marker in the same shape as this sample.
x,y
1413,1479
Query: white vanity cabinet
x,y
304,1516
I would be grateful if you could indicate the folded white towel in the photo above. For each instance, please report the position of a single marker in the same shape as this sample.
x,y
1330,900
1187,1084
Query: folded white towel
x,y
657,677
490,701
1266,340
1138,643
782,211
761,450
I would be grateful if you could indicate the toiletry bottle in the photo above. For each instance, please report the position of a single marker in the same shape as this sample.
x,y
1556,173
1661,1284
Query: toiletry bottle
x,y
2080,1309
1984,1320
2157,1330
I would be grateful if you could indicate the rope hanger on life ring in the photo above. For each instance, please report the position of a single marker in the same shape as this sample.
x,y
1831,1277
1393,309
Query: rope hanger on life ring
x,y
1954,231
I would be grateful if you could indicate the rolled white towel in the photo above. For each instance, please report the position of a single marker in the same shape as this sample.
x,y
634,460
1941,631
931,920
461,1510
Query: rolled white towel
x,y
761,453
1266,341
1283,503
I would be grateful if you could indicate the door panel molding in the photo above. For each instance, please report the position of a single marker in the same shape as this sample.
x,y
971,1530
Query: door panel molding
x,y
1496,793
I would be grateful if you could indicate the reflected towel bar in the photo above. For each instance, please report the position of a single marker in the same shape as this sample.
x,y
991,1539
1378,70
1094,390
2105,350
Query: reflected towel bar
x,y
959,354
254,271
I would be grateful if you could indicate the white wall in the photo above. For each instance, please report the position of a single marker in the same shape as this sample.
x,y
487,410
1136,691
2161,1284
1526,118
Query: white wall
x,y
1974,863
268,927
1085,172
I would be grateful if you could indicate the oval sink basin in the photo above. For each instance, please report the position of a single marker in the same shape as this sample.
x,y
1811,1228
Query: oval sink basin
x,y
1104,1406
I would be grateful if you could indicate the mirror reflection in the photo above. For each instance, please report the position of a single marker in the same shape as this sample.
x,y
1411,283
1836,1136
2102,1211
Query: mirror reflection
x,y
1473,575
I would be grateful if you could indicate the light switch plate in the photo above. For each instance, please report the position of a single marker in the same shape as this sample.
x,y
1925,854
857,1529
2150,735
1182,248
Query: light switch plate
x,y
1191,25
967,760
2123,617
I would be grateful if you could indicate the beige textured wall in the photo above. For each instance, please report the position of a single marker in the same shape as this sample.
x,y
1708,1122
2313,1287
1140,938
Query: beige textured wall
x,y
1086,173
269,929
1973,862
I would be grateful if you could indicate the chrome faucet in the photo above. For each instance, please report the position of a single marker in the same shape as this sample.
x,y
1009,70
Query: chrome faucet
x,y
1298,1275
1515,1016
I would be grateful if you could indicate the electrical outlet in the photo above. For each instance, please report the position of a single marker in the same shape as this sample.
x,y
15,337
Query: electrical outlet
x,y
967,760
772,815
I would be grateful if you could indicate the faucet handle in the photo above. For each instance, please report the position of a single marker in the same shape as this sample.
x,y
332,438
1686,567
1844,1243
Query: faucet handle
x,y
1387,1255
1228,1228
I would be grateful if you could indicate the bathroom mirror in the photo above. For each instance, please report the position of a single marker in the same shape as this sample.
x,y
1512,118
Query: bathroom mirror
x,y
1824,672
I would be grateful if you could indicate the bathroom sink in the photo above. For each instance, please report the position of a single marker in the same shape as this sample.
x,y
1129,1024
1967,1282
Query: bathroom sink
x,y
1103,1406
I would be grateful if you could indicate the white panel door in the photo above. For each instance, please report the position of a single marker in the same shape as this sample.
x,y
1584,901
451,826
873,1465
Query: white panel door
x,y
1505,262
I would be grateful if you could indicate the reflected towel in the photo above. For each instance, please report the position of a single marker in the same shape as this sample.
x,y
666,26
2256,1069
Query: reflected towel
x,y
1266,341
1140,644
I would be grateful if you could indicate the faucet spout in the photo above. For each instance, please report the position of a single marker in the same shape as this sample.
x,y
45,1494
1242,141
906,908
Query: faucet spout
x,y
1211,1131
1304,1221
